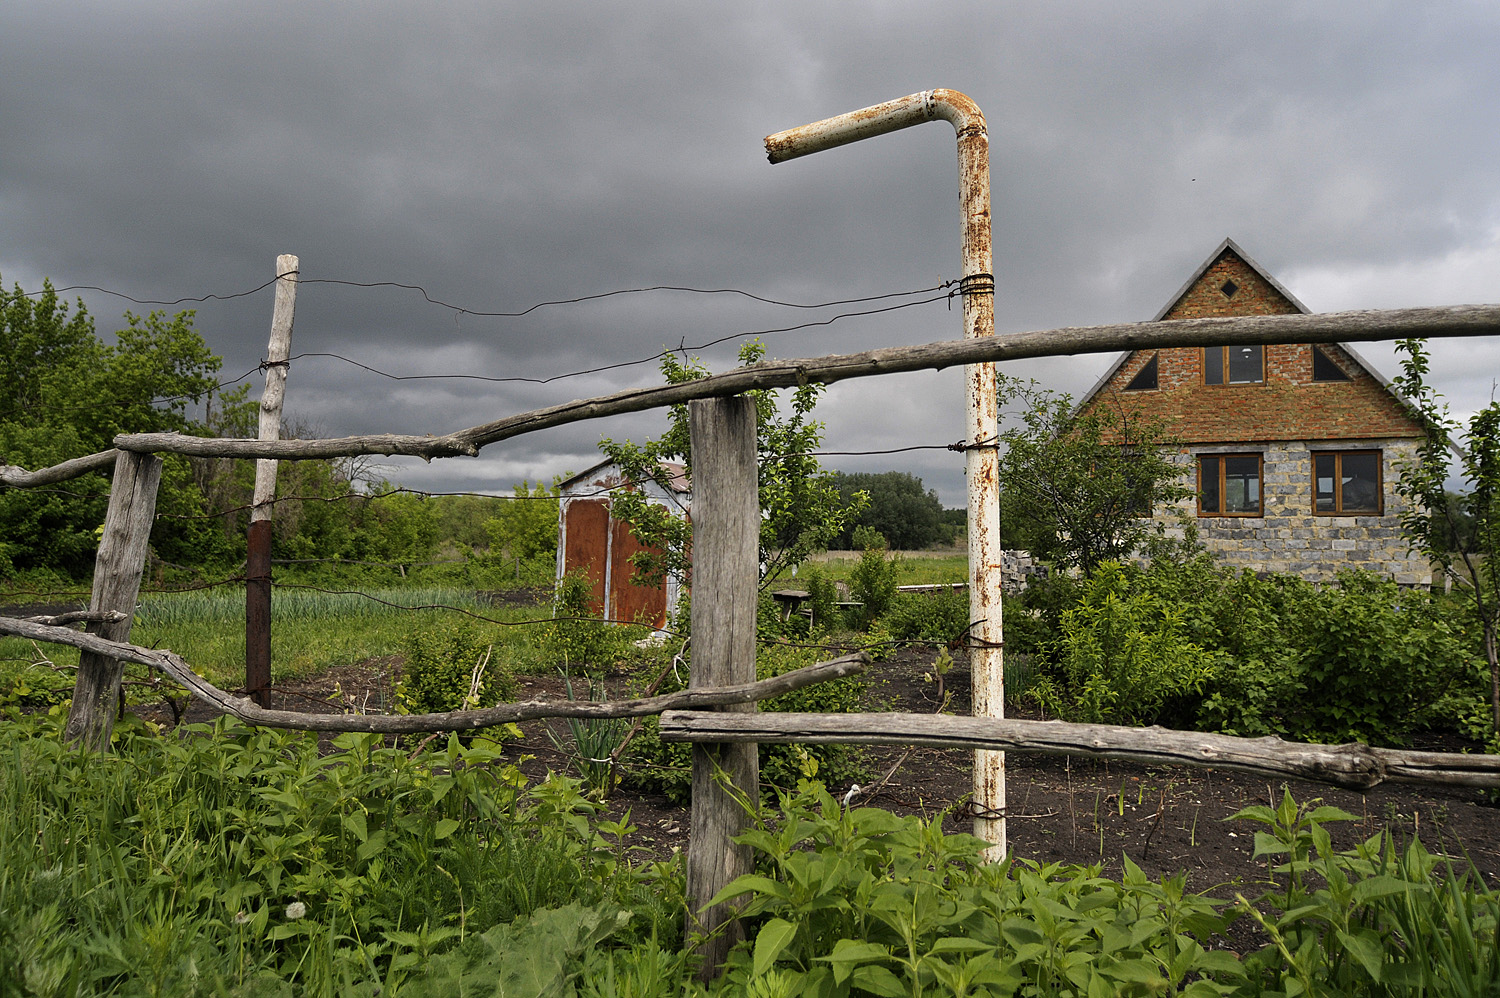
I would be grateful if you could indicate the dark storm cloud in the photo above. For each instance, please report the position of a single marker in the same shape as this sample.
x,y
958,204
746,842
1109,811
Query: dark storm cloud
x,y
499,155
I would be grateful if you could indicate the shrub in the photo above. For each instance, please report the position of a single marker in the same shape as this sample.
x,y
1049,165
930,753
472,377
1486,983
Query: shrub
x,y
578,638
1123,657
942,615
873,581
1360,661
451,666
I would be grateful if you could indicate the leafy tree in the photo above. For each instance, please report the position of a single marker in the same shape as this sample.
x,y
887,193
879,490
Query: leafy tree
x,y
1460,533
801,510
67,395
522,534
908,516
525,526
1078,488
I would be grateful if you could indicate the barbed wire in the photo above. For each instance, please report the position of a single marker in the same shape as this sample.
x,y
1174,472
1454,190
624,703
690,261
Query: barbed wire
x,y
950,288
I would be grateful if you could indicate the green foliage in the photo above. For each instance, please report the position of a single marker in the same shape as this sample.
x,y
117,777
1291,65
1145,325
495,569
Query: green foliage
x,y
522,535
896,506
577,637
875,580
941,615
1078,488
539,955
450,666
67,395
1123,657
1198,645
247,861
801,510
665,767
863,902
593,743
1460,533
1366,921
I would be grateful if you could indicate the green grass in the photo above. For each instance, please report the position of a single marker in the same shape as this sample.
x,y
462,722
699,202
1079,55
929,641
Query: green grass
x,y
311,631
920,568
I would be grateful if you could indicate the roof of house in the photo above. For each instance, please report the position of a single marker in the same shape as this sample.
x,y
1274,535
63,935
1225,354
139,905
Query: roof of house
x,y
675,474
1234,247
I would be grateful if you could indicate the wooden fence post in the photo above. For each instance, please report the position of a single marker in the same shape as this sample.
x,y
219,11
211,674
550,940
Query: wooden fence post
x,y
726,558
117,583
258,543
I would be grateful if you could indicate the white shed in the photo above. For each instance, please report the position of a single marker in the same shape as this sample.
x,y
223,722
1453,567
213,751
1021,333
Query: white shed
x,y
590,538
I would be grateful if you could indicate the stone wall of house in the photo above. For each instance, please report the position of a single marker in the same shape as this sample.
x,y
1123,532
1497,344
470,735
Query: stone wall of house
x,y
1289,537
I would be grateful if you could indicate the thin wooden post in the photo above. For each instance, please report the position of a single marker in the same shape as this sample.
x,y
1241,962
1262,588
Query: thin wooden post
x,y
726,556
117,583
258,544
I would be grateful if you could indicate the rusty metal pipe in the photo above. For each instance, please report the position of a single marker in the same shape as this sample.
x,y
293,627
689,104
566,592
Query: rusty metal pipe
x,y
982,458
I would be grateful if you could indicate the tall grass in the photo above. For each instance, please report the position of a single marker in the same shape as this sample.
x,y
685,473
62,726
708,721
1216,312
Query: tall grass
x,y
313,630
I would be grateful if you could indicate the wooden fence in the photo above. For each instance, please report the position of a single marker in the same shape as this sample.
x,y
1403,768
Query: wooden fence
x,y
716,713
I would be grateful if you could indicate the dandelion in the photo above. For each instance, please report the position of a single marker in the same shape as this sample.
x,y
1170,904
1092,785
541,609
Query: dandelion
x,y
242,918
296,910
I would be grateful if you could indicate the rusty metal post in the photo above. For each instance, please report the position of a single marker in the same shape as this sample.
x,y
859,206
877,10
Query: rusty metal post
x,y
982,458
258,543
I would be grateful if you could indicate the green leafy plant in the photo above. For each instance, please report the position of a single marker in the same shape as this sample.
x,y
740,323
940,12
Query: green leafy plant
x,y
1460,533
1122,657
450,666
594,743
1366,921
577,637
863,902
942,615
875,580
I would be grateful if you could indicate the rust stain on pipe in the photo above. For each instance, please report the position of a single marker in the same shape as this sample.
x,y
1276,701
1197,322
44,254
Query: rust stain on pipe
x,y
981,462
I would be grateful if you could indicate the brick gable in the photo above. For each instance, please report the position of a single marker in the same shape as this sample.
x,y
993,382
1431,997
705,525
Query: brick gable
x,y
1289,405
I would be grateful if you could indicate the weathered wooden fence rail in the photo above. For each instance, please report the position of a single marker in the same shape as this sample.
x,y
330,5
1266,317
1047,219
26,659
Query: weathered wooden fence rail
x,y
1354,766
1333,327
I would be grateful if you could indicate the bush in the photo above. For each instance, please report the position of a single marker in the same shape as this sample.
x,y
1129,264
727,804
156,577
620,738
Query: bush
x,y
576,637
942,615
1361,661
451,666
1123,657
873,581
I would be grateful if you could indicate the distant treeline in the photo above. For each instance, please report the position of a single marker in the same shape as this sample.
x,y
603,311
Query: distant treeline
x,y
908,516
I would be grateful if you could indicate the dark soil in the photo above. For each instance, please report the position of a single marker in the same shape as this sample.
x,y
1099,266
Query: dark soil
x,y
1165,819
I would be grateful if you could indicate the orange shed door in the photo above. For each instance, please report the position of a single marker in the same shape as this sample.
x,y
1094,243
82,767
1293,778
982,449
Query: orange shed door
x,y
647,604
587,544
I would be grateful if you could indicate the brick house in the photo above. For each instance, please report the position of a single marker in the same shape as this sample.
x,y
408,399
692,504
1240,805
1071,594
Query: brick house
x,y
1292,449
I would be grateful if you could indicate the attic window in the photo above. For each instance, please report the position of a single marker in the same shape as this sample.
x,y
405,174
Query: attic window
x,y
1324,369
1228,288
1145,378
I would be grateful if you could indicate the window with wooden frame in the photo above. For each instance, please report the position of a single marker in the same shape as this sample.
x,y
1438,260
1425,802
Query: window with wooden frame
x,y
1229,485
1346,482
1234,365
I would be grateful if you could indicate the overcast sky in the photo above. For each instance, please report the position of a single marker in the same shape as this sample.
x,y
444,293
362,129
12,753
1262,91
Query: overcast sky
x,y
500,155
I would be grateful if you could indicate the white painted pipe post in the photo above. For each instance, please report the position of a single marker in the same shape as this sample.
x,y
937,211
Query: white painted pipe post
x,y
982,459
